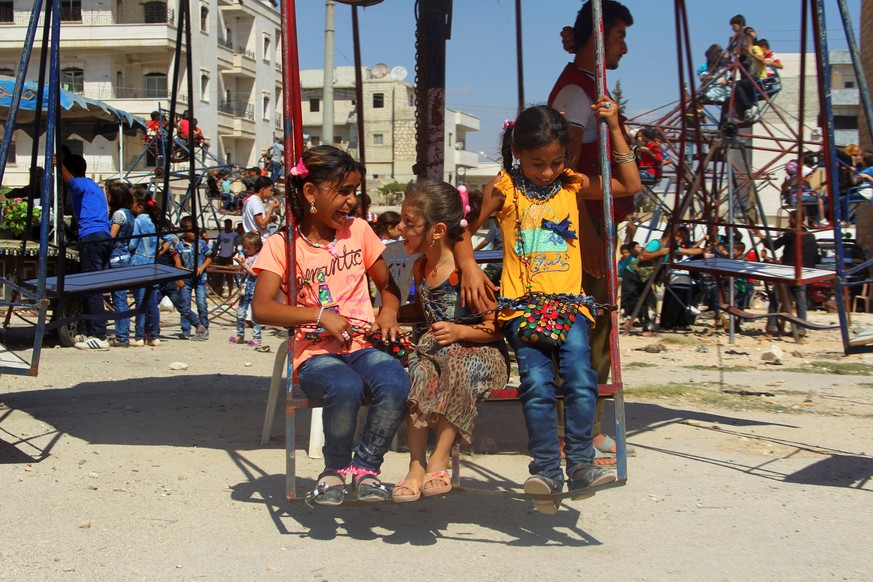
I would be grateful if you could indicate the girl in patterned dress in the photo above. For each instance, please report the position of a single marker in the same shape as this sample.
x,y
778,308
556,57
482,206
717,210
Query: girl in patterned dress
x,y
456,363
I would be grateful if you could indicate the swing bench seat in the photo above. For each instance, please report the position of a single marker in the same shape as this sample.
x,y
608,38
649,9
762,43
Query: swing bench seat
x,y
770,272
297,400
110,280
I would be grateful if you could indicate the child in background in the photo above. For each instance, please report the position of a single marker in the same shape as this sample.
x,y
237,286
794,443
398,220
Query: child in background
x,y
121,228
143,250
388,226
455,364
195,285
251,243
537,206
334,361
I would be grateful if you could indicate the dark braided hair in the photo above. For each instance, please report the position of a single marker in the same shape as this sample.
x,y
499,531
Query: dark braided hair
x,y
438,201
535,127
325,164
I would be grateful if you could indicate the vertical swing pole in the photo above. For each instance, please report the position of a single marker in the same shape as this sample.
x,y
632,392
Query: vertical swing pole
x,y
519,57
52,120
359,108
292,126
609,235
820,38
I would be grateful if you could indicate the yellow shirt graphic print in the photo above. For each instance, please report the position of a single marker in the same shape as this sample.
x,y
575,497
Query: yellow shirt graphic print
x,y
548,242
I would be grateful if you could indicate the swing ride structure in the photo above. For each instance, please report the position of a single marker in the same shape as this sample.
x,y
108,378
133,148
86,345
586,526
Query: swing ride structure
x,y
715,186
61,294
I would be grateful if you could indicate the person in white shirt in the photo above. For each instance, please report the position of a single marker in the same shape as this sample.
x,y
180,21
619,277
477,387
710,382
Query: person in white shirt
x,y
256,216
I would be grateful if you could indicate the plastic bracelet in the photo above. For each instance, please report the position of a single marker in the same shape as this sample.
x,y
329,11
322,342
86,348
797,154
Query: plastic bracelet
x,y
318,319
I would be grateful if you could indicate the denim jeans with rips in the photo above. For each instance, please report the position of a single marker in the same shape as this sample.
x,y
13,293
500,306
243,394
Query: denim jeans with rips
x,y
341,381
538,394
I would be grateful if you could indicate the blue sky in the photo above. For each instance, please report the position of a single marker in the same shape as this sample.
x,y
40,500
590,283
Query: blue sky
x,y
480,61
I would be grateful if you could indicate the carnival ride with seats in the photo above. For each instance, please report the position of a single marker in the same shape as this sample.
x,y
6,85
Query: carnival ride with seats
x,y
61,292
714,182
716,186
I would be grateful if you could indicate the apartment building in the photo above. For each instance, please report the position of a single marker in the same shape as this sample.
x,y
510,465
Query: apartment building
x,y
389,117
121,52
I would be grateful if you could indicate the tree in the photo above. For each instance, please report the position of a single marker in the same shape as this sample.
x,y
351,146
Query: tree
x,y
619,97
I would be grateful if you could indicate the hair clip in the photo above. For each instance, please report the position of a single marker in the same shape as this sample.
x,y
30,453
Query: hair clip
x,y
465,200
150,202
300,170
507,124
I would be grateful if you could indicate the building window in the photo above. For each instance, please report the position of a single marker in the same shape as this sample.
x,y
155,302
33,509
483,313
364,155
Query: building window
x,y
378,139
204,87
10,158
845,122
7,73
156,86
314,105
315,140
73,80
204,19
267,109
71,10
155,12
849,85
7,13
119,83
337,139
267,47
378,100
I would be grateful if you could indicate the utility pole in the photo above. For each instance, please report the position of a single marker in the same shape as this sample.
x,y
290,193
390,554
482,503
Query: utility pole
x,y
327,110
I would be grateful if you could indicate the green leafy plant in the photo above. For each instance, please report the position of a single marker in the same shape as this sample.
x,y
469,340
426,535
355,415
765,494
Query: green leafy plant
x,y
15,216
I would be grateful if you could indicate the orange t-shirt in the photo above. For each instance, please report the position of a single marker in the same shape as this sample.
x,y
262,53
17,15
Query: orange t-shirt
x,y
322,279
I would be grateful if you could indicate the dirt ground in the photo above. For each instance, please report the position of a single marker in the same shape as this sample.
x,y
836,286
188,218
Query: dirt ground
x,y
114,466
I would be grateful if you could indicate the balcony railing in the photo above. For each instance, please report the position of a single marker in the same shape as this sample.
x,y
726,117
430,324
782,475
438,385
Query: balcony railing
x,y
241,50
239,109
112,92
139,15
226,43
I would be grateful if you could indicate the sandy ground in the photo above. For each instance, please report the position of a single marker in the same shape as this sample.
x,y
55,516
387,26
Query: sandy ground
x,y
114,466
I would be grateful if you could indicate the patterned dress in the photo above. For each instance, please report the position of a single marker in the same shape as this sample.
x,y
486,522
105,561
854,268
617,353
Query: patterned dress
x,y
450,380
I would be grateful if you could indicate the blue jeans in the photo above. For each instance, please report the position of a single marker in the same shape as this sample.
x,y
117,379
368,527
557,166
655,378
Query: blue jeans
x,y
276,171
171,289
94,252
341,381
148,322
539,403
199,298
119,303
243,308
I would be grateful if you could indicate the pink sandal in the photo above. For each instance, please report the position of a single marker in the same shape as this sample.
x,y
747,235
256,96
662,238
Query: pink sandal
x,y
237,339
440,483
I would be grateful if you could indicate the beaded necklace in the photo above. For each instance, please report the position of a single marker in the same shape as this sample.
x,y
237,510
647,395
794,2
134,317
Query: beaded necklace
x,y
331,248
533,192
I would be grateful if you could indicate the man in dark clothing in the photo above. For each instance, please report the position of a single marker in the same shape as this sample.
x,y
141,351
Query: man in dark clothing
x,y
809,255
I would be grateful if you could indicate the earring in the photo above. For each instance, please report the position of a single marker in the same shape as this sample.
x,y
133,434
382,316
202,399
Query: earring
x,y
432,242
312,208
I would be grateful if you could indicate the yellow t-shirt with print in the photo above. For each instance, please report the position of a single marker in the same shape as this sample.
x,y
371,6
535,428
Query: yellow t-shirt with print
x,y
554,261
